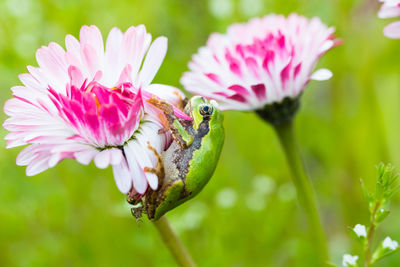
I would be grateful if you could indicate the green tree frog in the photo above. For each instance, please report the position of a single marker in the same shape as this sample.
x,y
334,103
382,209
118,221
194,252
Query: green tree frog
x,y
188,164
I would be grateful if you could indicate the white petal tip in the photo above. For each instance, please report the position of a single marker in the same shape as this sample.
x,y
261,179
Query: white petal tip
x,y
321,75
392,30
153,180
102,159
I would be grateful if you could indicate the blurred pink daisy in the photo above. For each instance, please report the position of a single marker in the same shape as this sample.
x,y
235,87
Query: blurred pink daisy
x,y
261,62
88,103
391,9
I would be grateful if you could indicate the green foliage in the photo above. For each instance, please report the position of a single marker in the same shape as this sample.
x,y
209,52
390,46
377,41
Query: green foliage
x,y
378,204
74,214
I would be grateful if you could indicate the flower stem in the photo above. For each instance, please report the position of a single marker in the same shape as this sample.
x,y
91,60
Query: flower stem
x,y
370,235
173,243
304,188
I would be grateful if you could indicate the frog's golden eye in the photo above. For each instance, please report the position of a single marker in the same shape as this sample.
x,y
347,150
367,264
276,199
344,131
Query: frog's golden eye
x,y
206,110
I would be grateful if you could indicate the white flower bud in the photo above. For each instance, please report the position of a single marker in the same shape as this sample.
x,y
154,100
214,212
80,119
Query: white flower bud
x,y
349,260
389,243
360,230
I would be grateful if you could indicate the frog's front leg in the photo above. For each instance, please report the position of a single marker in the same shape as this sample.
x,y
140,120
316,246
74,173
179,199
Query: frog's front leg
x,y
179,133
159,169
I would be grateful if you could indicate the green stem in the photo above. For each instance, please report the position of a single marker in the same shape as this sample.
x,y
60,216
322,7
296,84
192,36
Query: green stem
x,y
370,235
173,243
304,188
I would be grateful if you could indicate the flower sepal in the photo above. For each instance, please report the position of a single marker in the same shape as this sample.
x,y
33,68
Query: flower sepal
x,y
281,112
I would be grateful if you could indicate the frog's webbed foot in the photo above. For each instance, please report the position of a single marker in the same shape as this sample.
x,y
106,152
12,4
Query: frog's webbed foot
x,y
159,169
137,213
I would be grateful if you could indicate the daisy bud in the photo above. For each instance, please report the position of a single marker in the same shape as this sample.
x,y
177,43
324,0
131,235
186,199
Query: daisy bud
x,y
263,65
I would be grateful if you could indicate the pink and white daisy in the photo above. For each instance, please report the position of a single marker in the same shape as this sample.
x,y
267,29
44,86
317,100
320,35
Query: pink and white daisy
x,y
260,62
88,103
390,9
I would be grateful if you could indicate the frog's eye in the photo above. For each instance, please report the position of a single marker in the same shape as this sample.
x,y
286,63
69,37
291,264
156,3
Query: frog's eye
x,y
206,110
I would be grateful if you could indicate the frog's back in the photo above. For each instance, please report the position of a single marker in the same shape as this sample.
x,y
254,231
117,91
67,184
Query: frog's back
x,y
199,159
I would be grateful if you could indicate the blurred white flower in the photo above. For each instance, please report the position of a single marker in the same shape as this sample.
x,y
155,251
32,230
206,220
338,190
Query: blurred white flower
x,y
191,219
389,243
251,7
360,230
264,184
349,260
226,198
256,201
19,8
221,8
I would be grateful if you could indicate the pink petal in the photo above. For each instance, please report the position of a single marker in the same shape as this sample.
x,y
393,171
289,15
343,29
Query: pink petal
x,y
90,59
92,35
26,155
122,176
85,156
260,91
52,63
75,76
137,172
239,89
102,159
154,58
169,93
392,30
38,165
115,156
321,75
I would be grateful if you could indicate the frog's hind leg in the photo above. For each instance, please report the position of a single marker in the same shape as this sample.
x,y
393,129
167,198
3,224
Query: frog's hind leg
x,y
159,169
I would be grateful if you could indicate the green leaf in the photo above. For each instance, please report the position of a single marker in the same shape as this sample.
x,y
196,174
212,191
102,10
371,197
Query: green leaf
x,y
367,195
381,215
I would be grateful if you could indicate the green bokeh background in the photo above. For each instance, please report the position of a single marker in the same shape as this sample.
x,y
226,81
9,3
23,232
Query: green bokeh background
x,y
73,215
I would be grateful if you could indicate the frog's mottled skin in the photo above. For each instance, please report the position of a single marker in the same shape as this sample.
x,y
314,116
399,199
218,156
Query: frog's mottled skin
x,y
190,161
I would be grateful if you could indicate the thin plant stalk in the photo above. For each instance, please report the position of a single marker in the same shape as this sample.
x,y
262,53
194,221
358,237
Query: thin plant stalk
x,y
370,235
304,188
173,243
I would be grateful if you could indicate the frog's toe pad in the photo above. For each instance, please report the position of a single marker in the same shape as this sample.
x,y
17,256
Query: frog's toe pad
x,y
137,213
